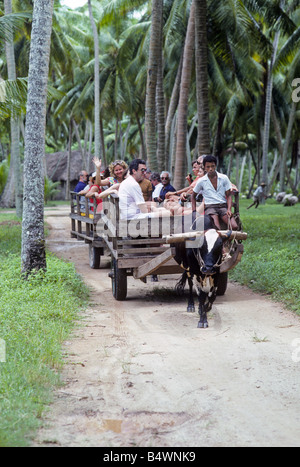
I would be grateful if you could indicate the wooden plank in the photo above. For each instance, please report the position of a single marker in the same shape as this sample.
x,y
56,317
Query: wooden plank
x,y
152,265
110,246
149,250
96,241
168,270
83,219
134,262
140,241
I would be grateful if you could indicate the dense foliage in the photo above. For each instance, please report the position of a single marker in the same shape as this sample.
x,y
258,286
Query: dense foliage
x,y
253,47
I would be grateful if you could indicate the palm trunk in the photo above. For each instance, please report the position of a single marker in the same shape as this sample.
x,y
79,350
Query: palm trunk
x,y
153,63
80,148
103,143
143,149
161,119
96,83
268,107
69,153
202,77
171,111
189,47
14,121
283,166
116,138
33,253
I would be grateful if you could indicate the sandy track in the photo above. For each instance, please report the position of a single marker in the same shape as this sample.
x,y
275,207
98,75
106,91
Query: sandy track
x,y
140,373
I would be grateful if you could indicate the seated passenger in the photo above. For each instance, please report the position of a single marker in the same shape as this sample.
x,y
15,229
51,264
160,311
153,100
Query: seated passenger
x,y
93,190
184,192
195,169
217,193
118,172
156,184
166,187
83,181
146,187
132,203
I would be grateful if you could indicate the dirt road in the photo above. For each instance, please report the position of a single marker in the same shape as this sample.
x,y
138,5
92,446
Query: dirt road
x,y
140,373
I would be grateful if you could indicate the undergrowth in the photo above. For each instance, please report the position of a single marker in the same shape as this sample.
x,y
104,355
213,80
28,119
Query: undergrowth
x,y
36,316
271,259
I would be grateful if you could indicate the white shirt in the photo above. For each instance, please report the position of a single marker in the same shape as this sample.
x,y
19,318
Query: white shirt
x,y
157,191
130,197
258,192
210,194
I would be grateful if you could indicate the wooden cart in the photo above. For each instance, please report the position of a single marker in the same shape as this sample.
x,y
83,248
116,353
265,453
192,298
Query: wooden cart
x,y
138,248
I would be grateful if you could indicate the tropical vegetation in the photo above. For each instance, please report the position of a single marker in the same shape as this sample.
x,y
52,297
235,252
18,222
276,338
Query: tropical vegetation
x,y
243,113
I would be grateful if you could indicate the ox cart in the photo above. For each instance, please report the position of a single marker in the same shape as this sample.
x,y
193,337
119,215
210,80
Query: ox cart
x,y
139,247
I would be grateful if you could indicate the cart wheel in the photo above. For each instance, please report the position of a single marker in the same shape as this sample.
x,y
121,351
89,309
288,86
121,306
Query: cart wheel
x,y
118,281
94,257
222,283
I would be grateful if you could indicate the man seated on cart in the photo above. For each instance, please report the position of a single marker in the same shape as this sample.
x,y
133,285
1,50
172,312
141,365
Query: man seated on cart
x,y
132,202
216,189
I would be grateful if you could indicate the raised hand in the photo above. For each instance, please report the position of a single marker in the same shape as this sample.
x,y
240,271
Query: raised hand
x,y
97,162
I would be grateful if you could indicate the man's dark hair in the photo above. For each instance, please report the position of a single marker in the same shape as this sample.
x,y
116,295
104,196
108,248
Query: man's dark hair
x,y
134,165
210,159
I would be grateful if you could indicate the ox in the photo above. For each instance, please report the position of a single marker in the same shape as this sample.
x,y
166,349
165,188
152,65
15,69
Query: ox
x,y
201,261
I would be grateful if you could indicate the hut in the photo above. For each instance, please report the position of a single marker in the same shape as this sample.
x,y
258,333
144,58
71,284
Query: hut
x,y
56,170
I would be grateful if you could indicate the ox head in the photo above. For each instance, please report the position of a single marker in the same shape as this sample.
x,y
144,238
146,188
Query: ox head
x,y
210,252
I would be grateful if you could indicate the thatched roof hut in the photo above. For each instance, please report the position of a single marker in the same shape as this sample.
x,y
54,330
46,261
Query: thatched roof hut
x,y
56,169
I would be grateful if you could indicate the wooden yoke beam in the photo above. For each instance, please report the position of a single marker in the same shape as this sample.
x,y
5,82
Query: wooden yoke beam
x,y
230,234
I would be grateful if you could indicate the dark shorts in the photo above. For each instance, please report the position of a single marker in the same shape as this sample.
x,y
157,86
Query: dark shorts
x,y
216,209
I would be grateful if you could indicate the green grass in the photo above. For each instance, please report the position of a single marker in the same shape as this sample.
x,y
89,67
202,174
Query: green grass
x,y
36,316
271,261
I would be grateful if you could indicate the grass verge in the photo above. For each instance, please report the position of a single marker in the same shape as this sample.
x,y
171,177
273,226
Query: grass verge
x,y
271,261
36,316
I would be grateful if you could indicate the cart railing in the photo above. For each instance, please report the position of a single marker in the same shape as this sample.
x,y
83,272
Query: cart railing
x,y
88,224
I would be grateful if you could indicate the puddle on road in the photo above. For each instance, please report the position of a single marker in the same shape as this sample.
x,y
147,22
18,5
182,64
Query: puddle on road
x,y
144,421
112,425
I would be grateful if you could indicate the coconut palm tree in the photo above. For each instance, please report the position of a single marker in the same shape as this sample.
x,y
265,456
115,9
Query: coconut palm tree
x,y
152,73
14,121
11,105
201,41
33,254
96,83
188,56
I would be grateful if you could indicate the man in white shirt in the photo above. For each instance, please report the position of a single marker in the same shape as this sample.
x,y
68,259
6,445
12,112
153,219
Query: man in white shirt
x,y
132,203
216,190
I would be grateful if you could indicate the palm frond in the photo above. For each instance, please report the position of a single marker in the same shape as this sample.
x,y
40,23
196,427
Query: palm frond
x,y
288,51
11,23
